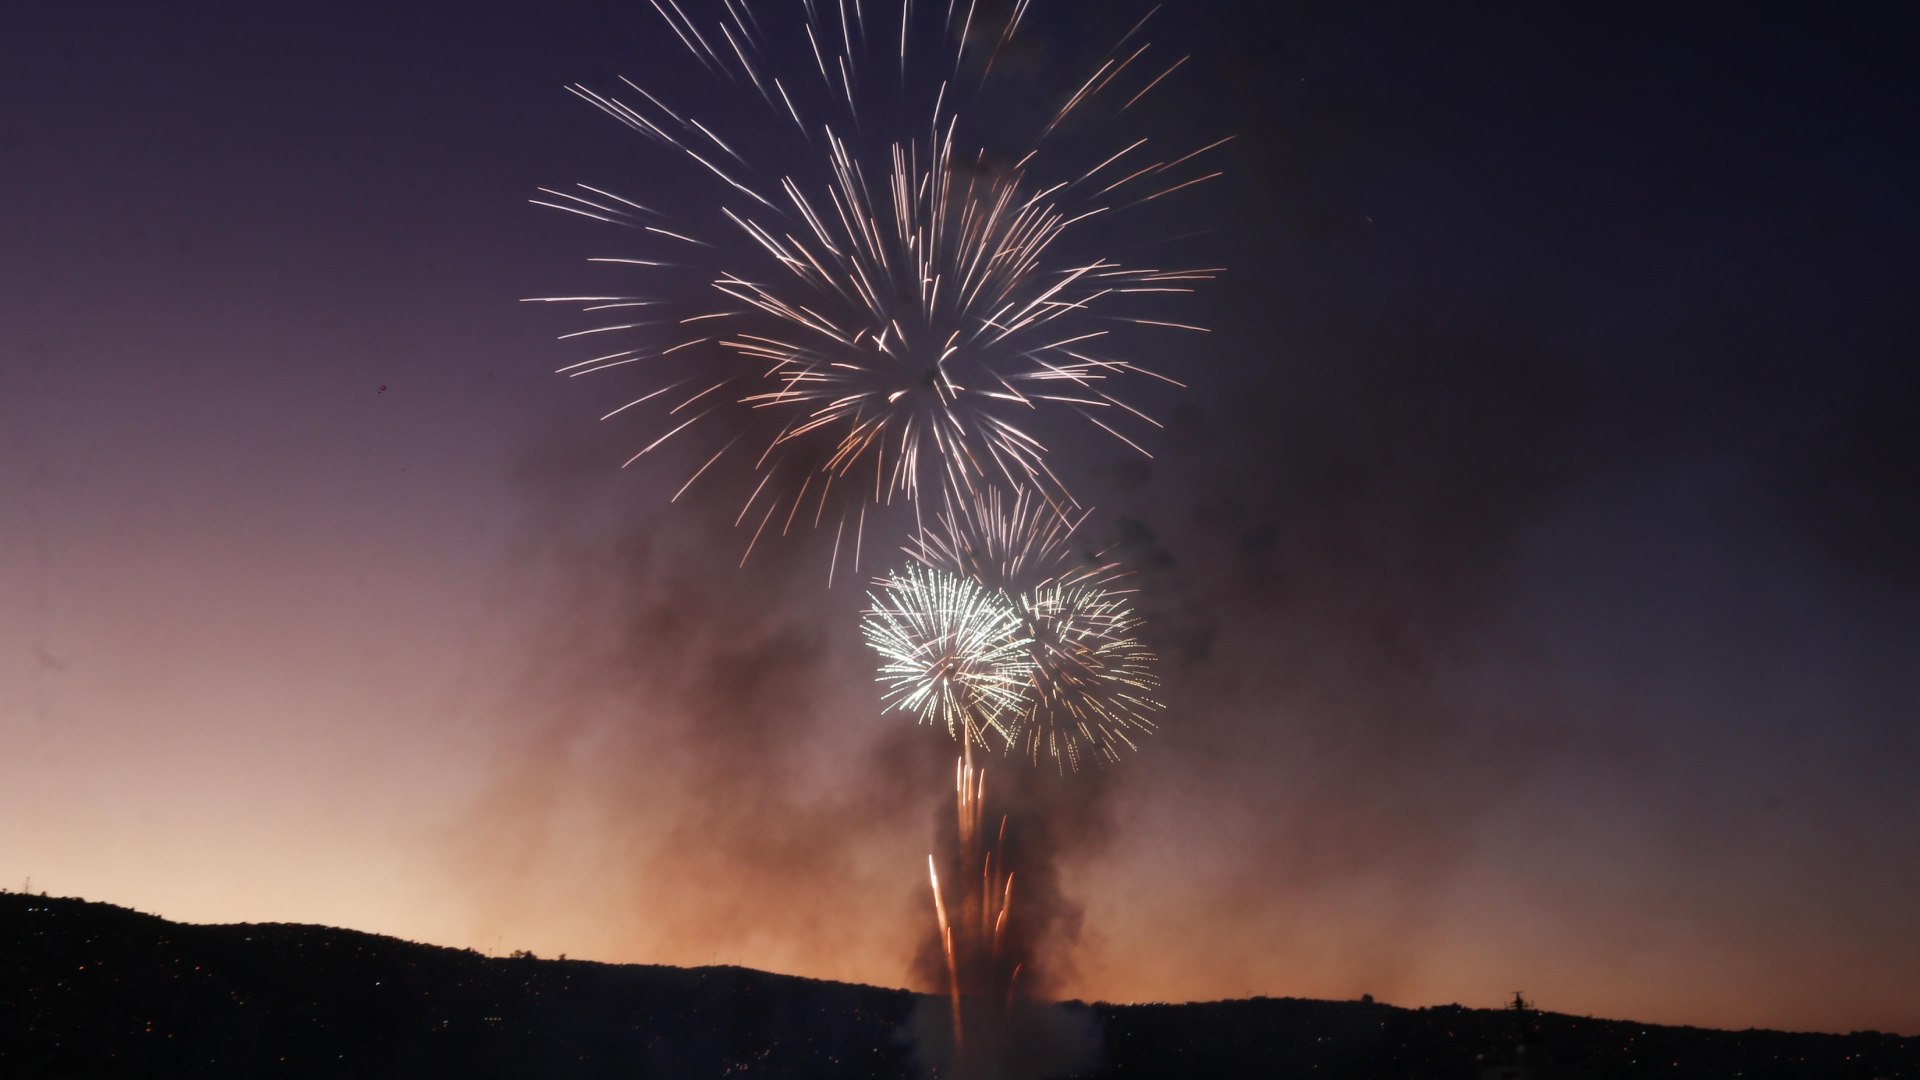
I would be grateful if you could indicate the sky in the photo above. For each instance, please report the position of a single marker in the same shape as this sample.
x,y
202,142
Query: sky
x,y
1531,555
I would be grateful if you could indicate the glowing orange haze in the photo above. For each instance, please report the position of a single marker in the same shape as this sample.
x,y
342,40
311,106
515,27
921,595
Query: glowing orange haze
x,y
572,853
249,767
861,922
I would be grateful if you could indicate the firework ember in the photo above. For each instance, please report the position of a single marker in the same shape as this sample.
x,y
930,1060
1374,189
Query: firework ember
x,y
863,299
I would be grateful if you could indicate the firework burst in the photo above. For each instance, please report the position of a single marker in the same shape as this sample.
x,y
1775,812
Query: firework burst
x,y
1091,680
951,653
862,300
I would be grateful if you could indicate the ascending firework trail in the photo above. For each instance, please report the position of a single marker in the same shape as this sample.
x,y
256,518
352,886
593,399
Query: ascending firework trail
x,y
957,652
951,652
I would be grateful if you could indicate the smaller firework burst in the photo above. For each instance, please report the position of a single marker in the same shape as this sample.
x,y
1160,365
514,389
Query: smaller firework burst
x,y
951,651
1091,679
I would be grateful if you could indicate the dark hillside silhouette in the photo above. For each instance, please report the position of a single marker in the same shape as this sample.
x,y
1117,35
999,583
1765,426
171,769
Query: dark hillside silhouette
x,y
92,990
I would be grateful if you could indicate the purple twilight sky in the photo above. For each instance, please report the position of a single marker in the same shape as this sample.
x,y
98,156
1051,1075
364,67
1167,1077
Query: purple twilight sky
x,y
1533,556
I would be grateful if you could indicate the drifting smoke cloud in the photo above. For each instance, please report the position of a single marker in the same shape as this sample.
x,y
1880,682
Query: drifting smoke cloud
x,y
1322,555
683,746
1325,568
1050,820
700,725
698,767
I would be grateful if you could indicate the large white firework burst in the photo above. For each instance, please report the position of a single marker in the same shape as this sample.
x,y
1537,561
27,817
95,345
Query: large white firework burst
x,y
951,653
857,299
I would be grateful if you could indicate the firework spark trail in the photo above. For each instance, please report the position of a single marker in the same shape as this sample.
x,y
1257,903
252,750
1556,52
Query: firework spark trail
x,y
887,307
953,968
1091,680
980,980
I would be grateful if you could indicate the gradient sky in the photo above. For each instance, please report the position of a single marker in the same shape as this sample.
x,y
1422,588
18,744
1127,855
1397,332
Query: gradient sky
x,y
1533,558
